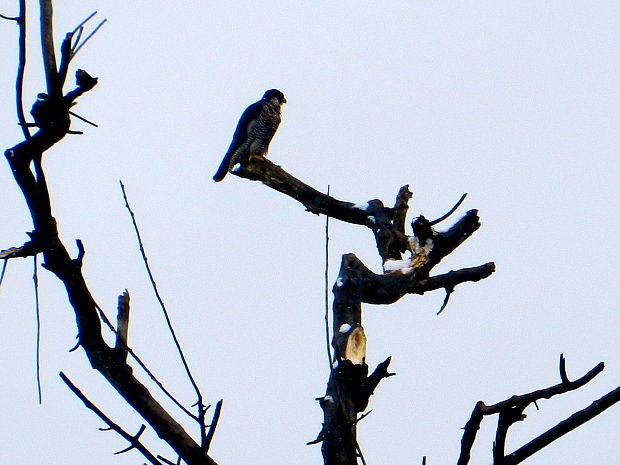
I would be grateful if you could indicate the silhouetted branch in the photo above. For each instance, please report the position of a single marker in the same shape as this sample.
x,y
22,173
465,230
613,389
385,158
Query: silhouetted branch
x,y
69,48
316,202
123,348
21,69
511,410
37,310
10,18
564,427
162,305
134,441
122,323
78,46
452,210
4,265
29,249
51,116
214,421
349,387
326,288
47,47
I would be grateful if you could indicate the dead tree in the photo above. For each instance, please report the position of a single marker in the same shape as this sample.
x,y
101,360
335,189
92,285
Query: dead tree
x,y
408,254
52,122
408,259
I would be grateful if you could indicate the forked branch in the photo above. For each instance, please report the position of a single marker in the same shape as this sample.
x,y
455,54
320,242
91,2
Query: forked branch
x,y
407,259
51,113
511,411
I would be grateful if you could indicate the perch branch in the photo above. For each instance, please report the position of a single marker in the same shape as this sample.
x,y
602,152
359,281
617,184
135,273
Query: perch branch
x,y
349,387
315,202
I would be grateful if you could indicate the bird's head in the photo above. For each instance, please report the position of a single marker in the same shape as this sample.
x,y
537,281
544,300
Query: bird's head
x,y
272,94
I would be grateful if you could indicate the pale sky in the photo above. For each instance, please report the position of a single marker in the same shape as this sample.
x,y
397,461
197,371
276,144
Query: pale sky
x,y
516,103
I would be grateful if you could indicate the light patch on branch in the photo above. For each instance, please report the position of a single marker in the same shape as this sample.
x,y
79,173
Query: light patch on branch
x,y
355,352
418,257
361,206
398,266
419,254
345,328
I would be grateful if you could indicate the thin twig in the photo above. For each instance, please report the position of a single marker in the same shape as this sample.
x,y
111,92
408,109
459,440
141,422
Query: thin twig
x,y
359,452
201,412
327,338
21,69
452,210
6,263
449,291
10,18
361,417
165,460
133,440
35,279
79,26
78,47
160,385
83,119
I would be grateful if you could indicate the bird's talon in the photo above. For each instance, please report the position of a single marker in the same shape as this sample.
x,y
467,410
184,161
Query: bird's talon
x,y
257,157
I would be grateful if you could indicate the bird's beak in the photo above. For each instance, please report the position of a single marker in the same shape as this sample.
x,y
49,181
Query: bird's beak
x,y
284,100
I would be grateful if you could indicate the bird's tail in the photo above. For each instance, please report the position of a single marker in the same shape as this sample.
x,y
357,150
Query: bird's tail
x,y
222,170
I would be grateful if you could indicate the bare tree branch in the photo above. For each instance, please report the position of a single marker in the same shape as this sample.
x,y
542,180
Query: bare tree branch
x,y
214,421
326,287
51,115
21,69
349,387
511,411
133,440
575,420
37,310
452,210
54,88
10,18
122,323
162,305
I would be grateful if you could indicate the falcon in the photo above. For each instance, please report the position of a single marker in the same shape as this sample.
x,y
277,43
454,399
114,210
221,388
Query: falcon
x,y
254,132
